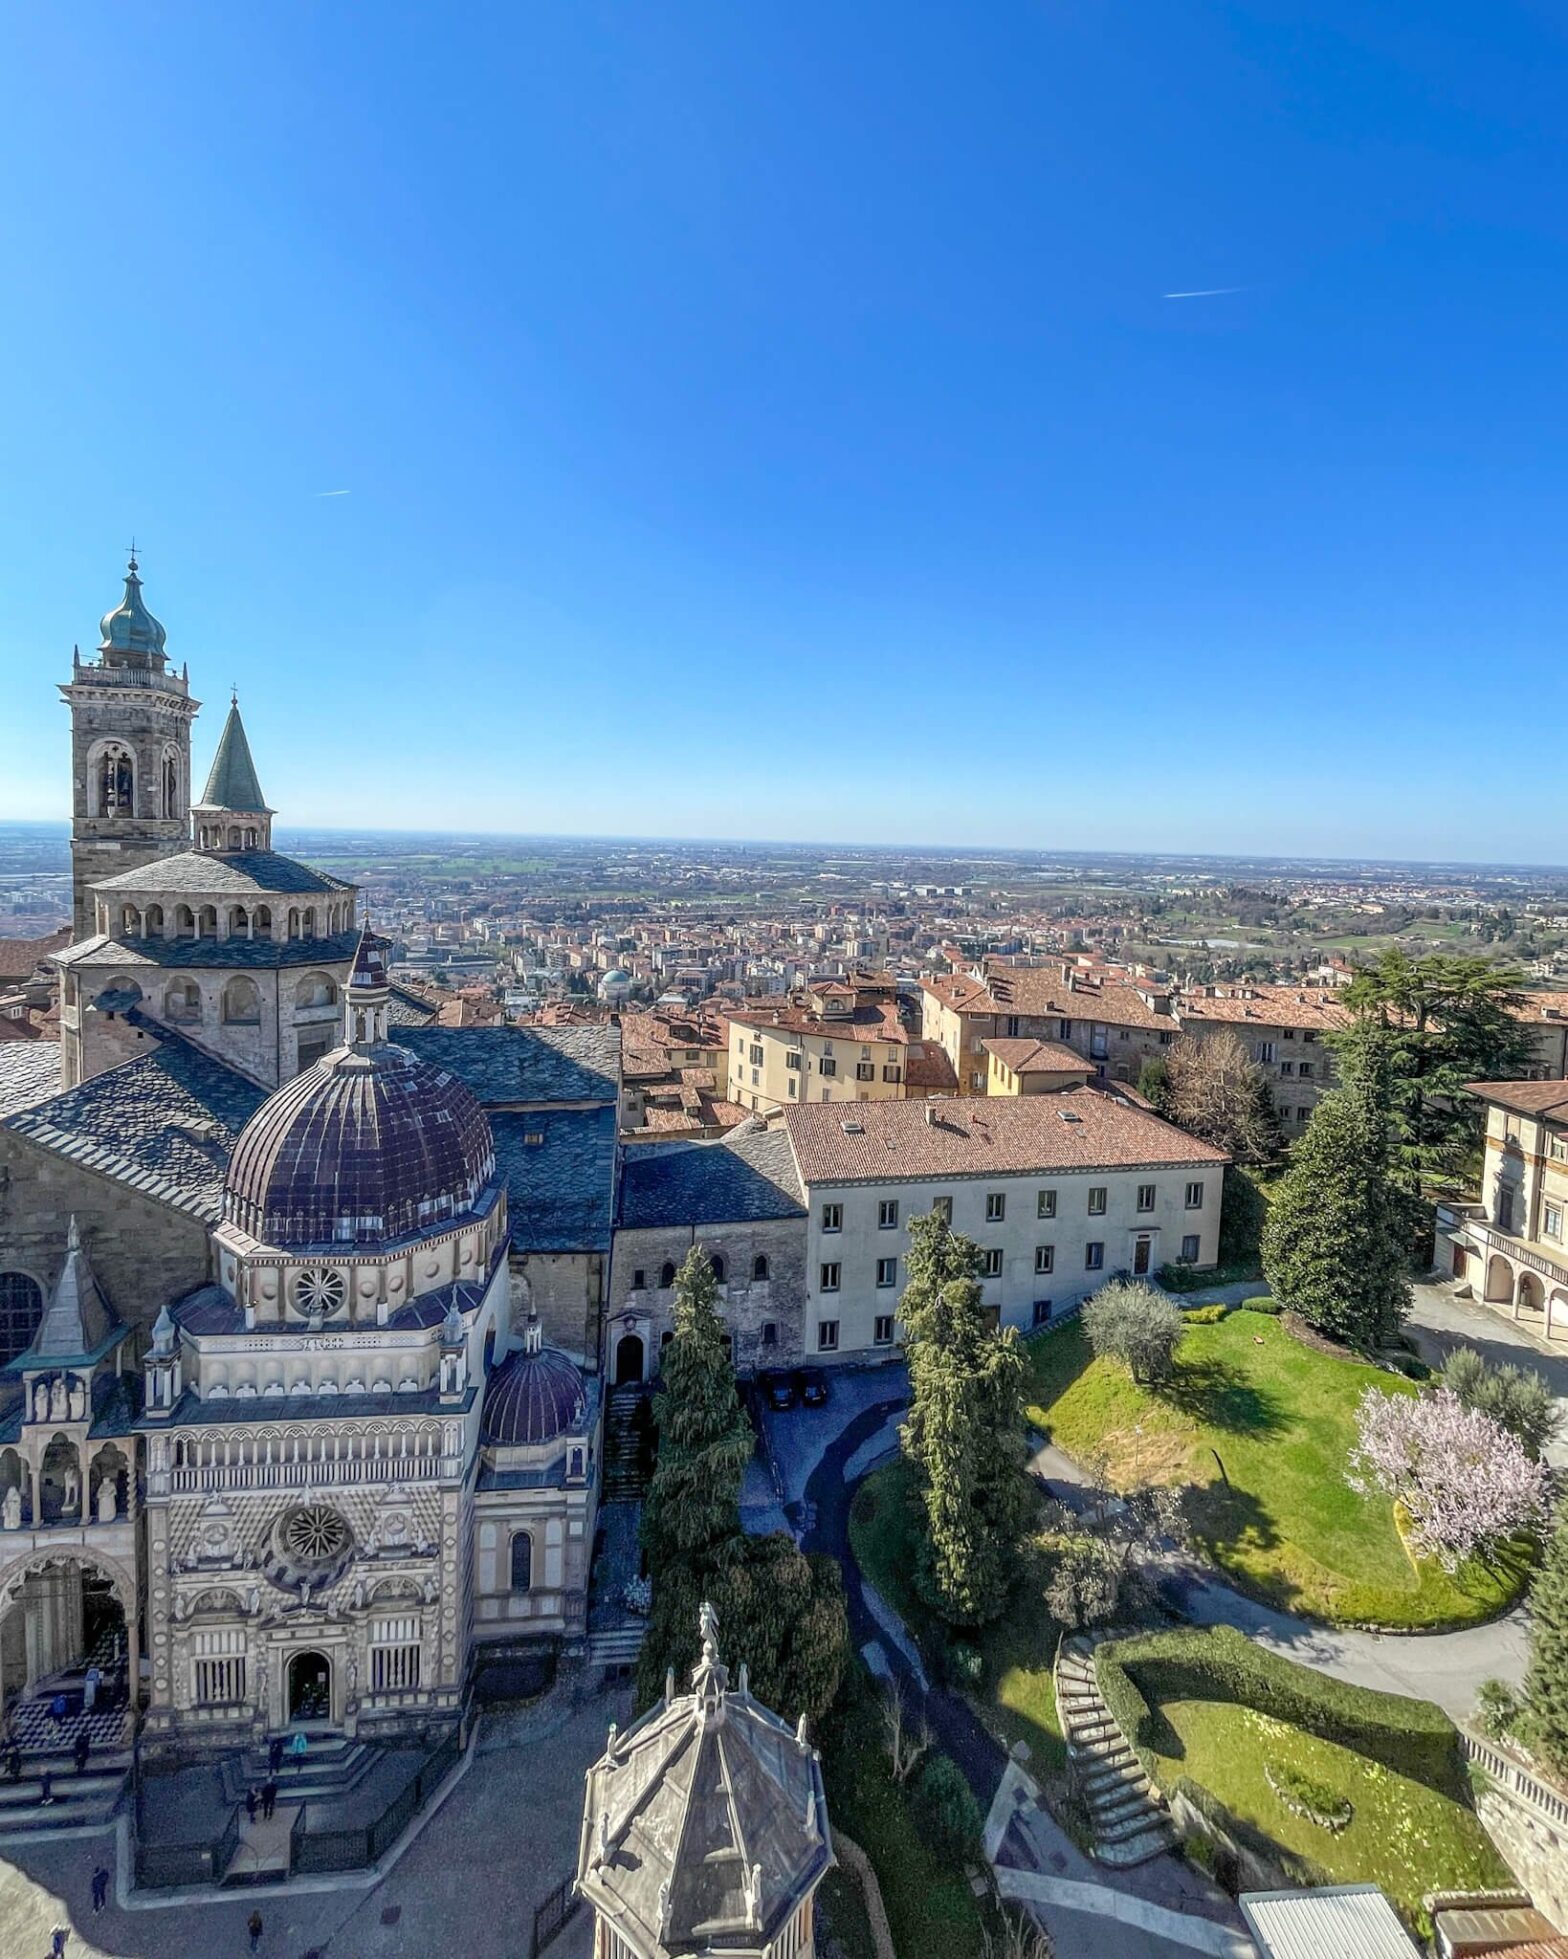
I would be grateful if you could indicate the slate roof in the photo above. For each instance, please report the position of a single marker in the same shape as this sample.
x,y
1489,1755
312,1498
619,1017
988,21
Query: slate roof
x,y
745,1177
29,1074
164,1123
510,1067
1548,1098
232,782
191,1411
211,1311
225,954
561,1189
241,872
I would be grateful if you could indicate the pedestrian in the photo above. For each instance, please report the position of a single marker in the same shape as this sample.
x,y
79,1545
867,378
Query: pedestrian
x,y
57,1713
90,1688
13,1763
57,1942
100,1887
46,1788
250,1805
269,1799
274,1754
253,1925
81,1751
297,1746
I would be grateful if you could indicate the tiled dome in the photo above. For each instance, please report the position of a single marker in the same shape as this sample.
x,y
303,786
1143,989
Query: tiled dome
x,y
368,1146
533,1397
130,627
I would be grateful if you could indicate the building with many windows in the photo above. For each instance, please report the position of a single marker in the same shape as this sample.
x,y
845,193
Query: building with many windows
x,y
838,1041
1511,1247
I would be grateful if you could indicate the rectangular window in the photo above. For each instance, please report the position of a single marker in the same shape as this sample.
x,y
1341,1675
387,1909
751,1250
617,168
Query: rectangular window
x,y
827,1336
827,1065
887,1214
794,1089
1287,1068
882,1334
943,1208
639,1280
892,1072
1042,1311
832,1217
1094,1256
991,1266
755,1055
770,1333
1045,1258
1189,1249
828,1277
1045,1204
1145,1197
394,1669
1195,1197
219,1683
792,1059
1304,1070
1097,1200
977,1081
1552,1224
995,1206
1267,1050
1557,1147
865,1071
887,1271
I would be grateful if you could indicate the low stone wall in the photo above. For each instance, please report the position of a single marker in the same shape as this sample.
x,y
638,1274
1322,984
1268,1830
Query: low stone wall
x,y
858,1864
1533,1849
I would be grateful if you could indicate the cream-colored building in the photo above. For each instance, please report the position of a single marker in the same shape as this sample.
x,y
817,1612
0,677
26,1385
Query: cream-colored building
x,y
839,1041
1511,1247
1030,1067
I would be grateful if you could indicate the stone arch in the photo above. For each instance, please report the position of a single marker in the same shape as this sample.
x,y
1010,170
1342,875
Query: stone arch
x,y
261,925
307,923
182,1000
153,921
111,775
1531,1297
521,1561
60,1481
759,1268
109,1466
242,1002
667,1275
170,783
1499,1279
207,922
217,1600
130,922
184,922
121,1582
238,926
716,1262
293,921
316,990
234,836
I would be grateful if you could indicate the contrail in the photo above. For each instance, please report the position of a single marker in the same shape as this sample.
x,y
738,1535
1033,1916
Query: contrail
x,y
1207,292
345,493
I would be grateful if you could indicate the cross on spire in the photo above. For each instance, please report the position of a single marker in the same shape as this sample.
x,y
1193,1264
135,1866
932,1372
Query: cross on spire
x,y
133,554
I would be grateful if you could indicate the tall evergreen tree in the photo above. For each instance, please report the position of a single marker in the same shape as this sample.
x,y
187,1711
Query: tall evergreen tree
x,y
1335,1243
964,1435
705,1438
1546,1682
1442,1021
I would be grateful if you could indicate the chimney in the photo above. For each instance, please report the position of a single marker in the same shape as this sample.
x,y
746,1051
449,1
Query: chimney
x,y
931,1117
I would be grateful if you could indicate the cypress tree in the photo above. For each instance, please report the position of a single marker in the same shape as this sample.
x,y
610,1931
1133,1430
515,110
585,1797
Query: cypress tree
x,y
1546,1682
705,1438
1334,1246
964,1434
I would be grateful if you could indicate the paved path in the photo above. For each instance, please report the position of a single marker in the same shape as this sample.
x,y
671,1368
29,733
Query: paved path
x,y
1165,1928
1440,1321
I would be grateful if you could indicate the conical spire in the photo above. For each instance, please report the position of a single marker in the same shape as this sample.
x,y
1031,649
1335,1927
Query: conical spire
x,y
77,1319
232,783
131,635
368,996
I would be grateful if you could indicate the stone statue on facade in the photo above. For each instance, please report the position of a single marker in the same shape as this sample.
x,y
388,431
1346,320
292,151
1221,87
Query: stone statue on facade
x,y
78,1395
71,1492
108,1507
41,1402
59,1407
11,1509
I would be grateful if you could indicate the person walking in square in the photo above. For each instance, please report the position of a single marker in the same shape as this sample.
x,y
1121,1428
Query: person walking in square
x,y
100,1887
46,1788
254,1926
81,1751
13,1763
274,1754
269,1799
90,1688
250,1805
57,1942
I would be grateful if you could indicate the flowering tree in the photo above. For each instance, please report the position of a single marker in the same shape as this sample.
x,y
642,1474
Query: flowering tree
x,y
1465,1482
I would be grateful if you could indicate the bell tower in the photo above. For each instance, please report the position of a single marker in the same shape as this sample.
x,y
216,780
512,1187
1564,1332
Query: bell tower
x,y
130,752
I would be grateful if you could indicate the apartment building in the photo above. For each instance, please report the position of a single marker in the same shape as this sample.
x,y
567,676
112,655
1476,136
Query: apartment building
x,y
835,1041
1283,1028
1115,1025
1512,1245
1060,1191
1030,1067
1546,1016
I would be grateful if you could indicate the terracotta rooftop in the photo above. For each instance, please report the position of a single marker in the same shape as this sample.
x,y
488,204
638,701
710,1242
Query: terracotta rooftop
x,y
1026,1057
1528,1098
1317,1008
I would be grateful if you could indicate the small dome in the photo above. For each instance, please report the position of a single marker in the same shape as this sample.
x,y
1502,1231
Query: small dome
x,y
364,1148
130,627
533,1397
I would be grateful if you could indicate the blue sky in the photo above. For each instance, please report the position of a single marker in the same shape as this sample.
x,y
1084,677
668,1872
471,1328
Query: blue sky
x,y
766,419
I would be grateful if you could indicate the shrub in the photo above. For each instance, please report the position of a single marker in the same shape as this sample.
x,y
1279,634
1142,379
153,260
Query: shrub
x,y
1306,1796
1085,1587
1262,1303
1498,1709
964,1662
945,1809
1513,1397
1129,1321
1205,1315
1218,1663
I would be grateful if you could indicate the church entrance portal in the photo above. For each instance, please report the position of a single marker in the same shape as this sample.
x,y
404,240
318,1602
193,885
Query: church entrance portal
x,y
59,1623
628,1359
310,1687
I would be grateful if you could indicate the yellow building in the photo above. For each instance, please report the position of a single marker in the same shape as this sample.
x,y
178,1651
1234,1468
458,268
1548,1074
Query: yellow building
x,y
1028,1067
1512,1246
838,1041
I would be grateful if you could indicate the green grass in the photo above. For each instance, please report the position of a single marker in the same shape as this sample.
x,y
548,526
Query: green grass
x,y
1402,1835
1262,1425
843,1927
929,1904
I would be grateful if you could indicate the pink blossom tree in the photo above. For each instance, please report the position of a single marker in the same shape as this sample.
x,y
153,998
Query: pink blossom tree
x,y
1465,1483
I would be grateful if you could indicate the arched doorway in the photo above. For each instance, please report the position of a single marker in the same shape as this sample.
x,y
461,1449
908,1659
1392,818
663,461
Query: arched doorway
x,y
63,1632
310,1687
1532,1294
1499,1279
629,1359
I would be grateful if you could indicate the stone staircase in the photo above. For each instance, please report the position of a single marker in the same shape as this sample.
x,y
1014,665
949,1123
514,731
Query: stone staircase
x,y
332,1766
617,1646
624,1481
80,1802
1126,1812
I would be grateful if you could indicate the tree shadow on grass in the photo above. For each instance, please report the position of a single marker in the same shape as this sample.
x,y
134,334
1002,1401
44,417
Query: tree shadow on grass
x,y
1217,1395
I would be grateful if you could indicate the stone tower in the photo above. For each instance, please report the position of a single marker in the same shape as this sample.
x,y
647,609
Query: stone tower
x,y
130,752
705,1827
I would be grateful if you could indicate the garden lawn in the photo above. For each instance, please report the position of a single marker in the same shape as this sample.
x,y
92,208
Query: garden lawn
x,y
1017,1698
1278,1517
1402,1835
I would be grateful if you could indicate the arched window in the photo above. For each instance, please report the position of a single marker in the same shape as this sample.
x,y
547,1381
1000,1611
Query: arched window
x,y
316,990
116,782
293,921
759,1267
250,839
171,783
207,922
717,1262
155,921
522,1562
667,1276
308,923
184,922
130,921
262,928
239,922
241,1003
21,1309
182,1001
234,836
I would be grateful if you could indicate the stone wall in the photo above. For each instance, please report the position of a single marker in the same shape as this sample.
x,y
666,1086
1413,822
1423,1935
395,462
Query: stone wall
x,y
749,1305
143,1252
566,1291
1533,1849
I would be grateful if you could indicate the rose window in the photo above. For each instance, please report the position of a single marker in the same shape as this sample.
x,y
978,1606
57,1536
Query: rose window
x,y
320,1291
310,1546
314,1535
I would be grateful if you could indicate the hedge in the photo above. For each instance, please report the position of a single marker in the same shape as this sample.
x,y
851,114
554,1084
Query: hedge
x,y
1416,1738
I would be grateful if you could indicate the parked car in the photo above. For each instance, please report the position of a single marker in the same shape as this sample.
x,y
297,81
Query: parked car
x,y
811,1384
778,1390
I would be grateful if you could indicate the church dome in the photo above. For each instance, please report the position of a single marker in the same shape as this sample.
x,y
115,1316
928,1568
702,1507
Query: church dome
x,y
368,1146
533,1397
130,627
